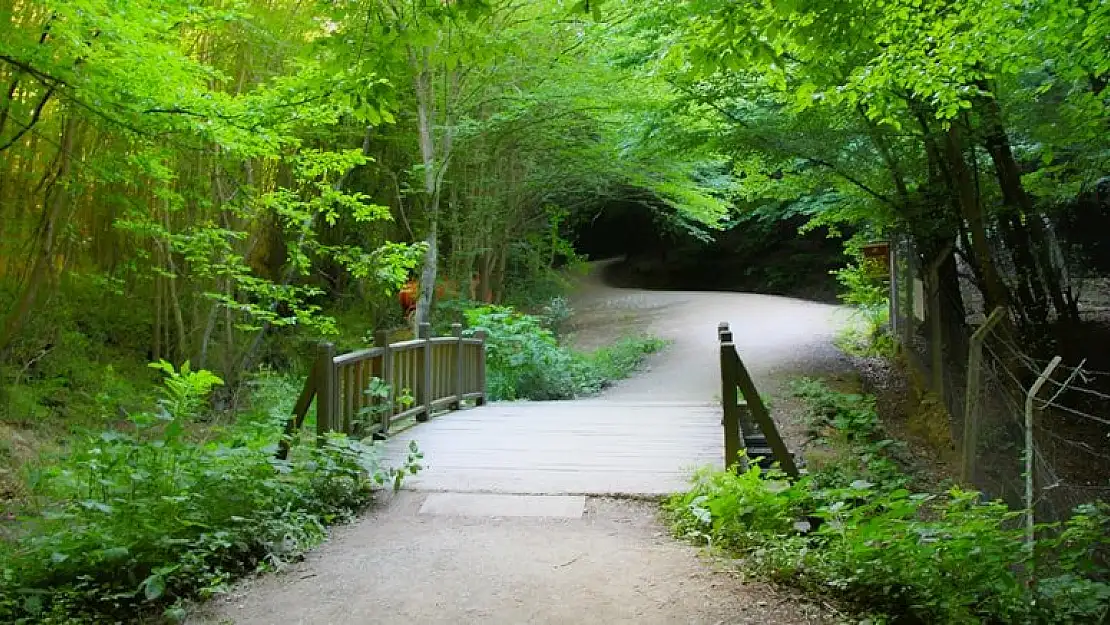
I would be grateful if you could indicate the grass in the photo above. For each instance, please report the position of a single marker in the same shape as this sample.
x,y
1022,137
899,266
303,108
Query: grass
x,y
622,359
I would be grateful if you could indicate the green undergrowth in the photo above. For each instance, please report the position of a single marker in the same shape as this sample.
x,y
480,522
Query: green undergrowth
x,y
139,518
525,360
868,298
856,529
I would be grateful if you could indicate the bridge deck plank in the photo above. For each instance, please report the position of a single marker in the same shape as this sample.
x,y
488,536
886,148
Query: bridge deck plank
x,y
581,447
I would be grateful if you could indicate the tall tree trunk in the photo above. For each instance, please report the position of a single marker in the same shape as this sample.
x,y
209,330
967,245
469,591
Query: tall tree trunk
x,y
56,202
1014,195
425,115
435,160
156,343
972,212
175,301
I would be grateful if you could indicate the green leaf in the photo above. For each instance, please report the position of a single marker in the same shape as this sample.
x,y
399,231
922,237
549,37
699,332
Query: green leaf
x,y
154,587
115,553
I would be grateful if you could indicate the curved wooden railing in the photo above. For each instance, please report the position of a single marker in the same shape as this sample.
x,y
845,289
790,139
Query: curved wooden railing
x,y
370,392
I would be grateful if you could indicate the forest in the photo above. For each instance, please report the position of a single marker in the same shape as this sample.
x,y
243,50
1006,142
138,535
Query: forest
x,y
194,194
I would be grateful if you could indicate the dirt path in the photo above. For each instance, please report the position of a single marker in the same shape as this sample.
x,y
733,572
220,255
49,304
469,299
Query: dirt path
x,y
612,561
614,565
779,338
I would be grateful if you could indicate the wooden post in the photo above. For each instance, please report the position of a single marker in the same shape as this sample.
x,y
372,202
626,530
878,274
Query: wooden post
x,y
381,339
424,332
481,336
326,390
457,382
730,408
971,400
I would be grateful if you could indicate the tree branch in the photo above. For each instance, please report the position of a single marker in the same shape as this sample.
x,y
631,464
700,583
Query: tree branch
x,y
30,124
728,115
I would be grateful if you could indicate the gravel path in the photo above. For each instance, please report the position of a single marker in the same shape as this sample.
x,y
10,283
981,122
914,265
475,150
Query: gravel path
x,y
616,564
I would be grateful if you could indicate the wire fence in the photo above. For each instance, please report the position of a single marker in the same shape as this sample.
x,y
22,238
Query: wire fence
x,y
967,358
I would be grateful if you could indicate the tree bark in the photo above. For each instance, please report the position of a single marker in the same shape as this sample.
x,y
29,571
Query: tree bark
x,y
435,160
997,142
995,291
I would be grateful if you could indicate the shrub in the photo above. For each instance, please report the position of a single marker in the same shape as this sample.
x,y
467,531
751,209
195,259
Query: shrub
x,y
133,520
918,557
867,295
524,359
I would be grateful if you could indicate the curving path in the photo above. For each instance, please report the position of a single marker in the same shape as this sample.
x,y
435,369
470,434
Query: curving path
x,y
541,549
646,434
778,337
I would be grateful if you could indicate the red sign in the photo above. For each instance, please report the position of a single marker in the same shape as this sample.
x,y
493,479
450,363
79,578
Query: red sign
x,y
876,258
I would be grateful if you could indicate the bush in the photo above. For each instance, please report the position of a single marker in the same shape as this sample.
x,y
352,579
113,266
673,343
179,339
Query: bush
x,y
524,359
138,519
917,557
868,297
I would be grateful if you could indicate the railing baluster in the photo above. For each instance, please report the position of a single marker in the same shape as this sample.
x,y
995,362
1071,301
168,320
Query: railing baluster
x,y
437,373
381,339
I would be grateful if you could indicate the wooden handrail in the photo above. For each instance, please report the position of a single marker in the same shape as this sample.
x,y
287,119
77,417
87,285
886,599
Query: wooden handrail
x,y
362,354
437,373
747,423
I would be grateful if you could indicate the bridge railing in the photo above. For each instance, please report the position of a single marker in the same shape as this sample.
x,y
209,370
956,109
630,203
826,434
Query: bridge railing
x,y
747,422
367,392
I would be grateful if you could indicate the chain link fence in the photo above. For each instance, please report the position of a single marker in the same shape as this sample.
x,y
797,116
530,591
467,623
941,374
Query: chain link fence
x,y
966,359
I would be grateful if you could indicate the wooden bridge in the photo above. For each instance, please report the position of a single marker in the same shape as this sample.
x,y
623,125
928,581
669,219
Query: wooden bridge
x,y
586,447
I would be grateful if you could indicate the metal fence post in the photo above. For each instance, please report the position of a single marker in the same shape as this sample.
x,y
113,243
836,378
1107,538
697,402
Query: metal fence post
x,y
1030,451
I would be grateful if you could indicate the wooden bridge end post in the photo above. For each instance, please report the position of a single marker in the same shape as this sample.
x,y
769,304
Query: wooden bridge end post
x,y
481,336
729,405
424,332
327,388
457,379
381,339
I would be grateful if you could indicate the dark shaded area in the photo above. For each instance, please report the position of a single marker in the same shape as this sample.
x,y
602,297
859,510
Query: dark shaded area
x,y
1083,226
661,253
